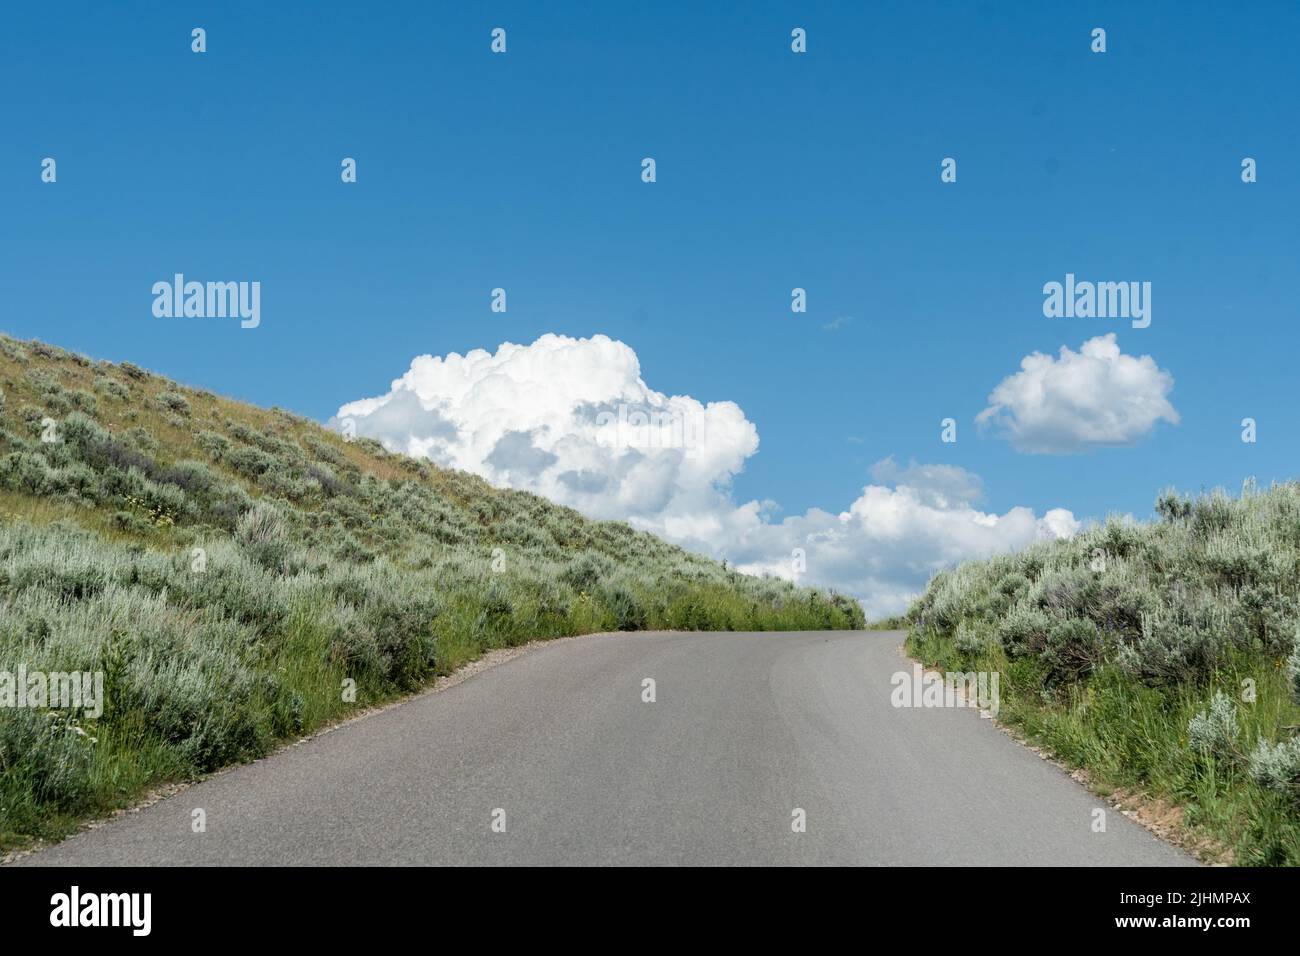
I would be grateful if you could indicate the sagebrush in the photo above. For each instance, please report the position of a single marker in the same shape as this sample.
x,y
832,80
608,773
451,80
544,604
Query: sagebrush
x,y
1162,656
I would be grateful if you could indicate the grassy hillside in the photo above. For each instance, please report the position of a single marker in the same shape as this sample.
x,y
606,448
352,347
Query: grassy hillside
x,y
1162,657
229,568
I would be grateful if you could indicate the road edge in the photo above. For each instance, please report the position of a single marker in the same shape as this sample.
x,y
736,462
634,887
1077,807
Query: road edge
x,y
484,662
1144,810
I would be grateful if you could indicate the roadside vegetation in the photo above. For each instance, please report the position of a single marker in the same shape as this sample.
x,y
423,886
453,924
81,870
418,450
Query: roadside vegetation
x,y
1162,658
232,570
898,622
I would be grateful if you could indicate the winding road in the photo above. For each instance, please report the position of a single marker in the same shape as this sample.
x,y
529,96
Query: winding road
x,y
553,757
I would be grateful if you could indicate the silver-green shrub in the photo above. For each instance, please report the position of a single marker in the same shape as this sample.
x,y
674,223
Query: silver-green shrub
x,y
1214,731
1277,766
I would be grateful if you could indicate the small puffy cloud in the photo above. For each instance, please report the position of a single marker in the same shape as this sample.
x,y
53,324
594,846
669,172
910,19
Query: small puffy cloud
x,y
572,420
1091,398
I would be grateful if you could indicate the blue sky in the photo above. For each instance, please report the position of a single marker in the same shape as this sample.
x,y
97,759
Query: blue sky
x,y
774,170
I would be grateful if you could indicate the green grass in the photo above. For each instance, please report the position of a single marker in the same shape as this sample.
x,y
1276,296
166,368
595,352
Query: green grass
x,y
1110,644
231,569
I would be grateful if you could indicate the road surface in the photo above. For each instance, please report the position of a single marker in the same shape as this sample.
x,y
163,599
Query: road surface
x,y
558,748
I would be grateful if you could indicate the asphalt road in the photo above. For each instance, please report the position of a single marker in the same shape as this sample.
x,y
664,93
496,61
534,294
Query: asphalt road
x,y
745,728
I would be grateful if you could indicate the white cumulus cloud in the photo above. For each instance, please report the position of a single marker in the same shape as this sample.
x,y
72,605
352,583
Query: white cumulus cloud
x,y
572,420
569,419
1094,397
